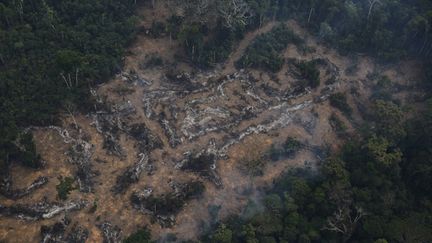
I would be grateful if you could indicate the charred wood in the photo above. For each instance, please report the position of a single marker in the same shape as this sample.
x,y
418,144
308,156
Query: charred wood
x,y
80,155
111,233
56,233
7,191
41,210
164,208
132,174
146,140
203,164
169,130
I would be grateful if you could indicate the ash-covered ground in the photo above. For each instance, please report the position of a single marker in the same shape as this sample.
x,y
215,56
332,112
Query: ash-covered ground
x,y
170,147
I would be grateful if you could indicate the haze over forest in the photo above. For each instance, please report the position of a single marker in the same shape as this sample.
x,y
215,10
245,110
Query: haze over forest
x,y
216,121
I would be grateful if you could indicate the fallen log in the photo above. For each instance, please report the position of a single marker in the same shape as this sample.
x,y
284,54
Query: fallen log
x,y
132,174
5,188
41,210
111,233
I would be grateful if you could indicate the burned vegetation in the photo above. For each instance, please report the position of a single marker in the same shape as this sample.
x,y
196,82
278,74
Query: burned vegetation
x,y
57,232
132,173
41,210
183,125
7,191
146,140
171,136
167,145
164,208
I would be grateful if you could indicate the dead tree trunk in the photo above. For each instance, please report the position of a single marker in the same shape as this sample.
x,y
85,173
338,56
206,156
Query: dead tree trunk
x,y
310,14
372,3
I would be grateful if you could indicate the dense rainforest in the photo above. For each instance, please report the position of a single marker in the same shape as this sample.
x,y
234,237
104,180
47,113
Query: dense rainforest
x,y
376,189
388,30
51,54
